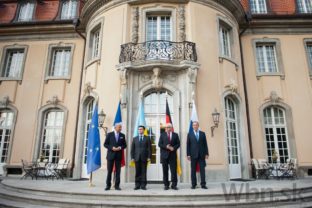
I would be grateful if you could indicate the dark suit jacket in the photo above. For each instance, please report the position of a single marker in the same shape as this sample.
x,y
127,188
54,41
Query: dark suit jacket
x,y
141,150
197,149
164,141
110,142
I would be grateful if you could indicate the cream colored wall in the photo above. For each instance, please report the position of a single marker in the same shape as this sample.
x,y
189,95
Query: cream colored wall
x,y
213,76
33,93
295,91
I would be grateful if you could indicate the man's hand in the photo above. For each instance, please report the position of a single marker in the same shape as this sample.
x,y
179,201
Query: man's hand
x,y
116,149
189,158
171,149
168,146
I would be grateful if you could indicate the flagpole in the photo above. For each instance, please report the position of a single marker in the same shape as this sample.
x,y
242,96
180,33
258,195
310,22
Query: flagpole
x,y
90,181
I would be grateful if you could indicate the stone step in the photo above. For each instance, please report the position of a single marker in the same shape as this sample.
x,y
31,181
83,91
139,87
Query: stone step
x,y
52,199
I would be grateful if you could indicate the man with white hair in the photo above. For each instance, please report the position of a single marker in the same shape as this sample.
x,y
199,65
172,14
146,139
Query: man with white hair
x,y
197,153
169,142
115,141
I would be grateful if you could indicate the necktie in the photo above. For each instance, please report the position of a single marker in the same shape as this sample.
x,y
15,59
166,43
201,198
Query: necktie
x,y
169,137
117,137
141,138
197,136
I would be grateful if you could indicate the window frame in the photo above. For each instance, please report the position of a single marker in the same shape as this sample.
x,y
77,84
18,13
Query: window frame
x,y
5,51
52,48
224,25
98,24
151,10
307,42
257,4
278,57
302,2
61,10
17,19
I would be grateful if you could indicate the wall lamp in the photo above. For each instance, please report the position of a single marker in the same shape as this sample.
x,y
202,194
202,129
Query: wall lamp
x,y
102,117
215,118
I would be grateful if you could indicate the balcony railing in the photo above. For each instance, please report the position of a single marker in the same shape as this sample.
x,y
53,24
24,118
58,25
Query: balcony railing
x,y
158,50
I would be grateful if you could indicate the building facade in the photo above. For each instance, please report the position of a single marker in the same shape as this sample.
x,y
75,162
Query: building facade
x,y
249,60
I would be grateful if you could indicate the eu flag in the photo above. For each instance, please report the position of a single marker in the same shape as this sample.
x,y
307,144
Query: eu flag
x,y
94,148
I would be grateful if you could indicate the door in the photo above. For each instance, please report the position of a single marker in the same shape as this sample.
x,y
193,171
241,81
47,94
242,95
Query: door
x,y
232,135
88,117
155,116
6,122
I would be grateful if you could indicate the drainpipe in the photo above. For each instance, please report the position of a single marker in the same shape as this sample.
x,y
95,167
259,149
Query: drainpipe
x,y
76,23
248,19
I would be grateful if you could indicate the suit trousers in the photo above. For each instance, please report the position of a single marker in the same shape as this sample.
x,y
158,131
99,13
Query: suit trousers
x,y
110,165
202,164
140,173
172,163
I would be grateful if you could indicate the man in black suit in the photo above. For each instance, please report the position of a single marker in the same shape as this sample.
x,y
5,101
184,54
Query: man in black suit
x,y
197,152
115,142
140,154
169,142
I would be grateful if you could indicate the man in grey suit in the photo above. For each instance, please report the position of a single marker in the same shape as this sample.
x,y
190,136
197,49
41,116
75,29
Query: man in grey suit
x,y
140,154
197,152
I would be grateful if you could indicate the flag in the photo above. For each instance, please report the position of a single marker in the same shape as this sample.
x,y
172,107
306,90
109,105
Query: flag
x,y
94,144
118,120
168,120
194,117
140,121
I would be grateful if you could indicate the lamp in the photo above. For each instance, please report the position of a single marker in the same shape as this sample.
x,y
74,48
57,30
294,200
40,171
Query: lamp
x,y
102,117
215,118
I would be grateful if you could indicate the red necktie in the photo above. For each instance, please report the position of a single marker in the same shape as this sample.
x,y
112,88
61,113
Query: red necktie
x,y
169,137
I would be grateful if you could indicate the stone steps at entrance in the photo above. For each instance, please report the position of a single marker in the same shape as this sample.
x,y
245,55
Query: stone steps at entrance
x,y
33,194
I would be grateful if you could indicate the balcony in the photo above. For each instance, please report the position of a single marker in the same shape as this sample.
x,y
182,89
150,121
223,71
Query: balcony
x,y
158,51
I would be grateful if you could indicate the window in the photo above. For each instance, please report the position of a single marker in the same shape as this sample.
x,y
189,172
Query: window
x,y
13,63
158,27
225,40
52,135
26,11
266,58
276,134
88,118
60,62
95,43
69,9
258,6
309,53
304,6
6,124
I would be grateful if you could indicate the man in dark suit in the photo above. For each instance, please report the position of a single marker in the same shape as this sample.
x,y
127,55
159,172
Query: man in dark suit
x,y
140,154
169,142
115,142
197,152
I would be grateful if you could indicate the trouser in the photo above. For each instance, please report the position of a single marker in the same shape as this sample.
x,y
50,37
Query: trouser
x,y
202,164
140,173
110,165
172,163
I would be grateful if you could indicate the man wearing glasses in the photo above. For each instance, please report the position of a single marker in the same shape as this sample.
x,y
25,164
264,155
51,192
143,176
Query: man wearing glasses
x,y
169,142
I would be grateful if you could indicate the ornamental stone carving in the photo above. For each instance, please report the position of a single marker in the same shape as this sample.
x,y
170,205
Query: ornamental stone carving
x,y
274,98
233,87
135,25
5,102
181,27
157,80
54,100
88,88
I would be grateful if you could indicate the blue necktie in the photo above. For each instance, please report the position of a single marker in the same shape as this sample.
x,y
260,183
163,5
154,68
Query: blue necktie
x,y
117,137
197,136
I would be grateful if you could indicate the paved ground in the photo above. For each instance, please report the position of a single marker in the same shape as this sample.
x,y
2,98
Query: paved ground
x,y
69,186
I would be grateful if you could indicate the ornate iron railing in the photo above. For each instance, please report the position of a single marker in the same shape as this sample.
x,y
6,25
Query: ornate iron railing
x,y
158,50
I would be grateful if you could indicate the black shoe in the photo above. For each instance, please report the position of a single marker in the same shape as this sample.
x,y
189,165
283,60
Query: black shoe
x,y
136,188
175,188
143,188
204,187
166,188
118,188
107,188
193,187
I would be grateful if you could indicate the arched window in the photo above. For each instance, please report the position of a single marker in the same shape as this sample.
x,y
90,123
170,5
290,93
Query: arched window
x,y
52,133
275,129
6,125
87,121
